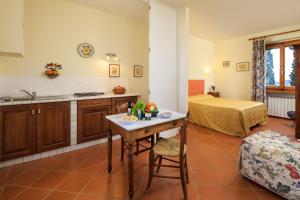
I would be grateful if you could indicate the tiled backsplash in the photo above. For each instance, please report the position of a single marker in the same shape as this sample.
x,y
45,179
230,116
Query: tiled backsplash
x,y
11,86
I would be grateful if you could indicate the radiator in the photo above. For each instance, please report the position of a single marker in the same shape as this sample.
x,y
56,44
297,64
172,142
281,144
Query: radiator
x,y
280,104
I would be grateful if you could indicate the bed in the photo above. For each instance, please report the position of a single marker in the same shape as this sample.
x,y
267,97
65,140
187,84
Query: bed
x,y
233,117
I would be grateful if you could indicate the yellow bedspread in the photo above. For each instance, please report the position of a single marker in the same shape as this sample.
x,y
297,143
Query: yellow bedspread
x,y
233,117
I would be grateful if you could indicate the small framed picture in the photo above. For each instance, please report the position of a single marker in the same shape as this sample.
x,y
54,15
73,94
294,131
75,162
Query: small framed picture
x,y
226,63
242,67
138,71
114,70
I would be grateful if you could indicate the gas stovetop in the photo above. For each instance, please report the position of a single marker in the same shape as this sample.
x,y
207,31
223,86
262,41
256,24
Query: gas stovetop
x,y
88,94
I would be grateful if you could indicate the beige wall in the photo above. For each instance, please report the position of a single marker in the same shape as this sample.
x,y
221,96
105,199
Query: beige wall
x,y
201,60
234,84
53,29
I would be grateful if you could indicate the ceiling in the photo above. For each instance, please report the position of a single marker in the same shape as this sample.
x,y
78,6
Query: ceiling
x,y
217,19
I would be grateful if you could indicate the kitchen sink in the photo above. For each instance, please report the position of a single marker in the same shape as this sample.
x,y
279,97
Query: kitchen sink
x,y
51,97
20,99
39,98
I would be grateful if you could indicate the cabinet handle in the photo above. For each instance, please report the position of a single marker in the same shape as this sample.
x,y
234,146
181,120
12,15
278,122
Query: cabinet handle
x,y
39,111
32,112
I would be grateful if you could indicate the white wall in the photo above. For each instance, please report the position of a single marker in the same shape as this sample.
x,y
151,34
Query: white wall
x,y
201,60
238,85
53,29
228,81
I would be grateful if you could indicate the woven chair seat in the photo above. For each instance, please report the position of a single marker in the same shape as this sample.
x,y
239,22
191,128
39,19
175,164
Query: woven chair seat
x,y
168,147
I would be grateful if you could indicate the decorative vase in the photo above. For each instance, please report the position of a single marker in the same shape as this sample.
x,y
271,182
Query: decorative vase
x,y
119,90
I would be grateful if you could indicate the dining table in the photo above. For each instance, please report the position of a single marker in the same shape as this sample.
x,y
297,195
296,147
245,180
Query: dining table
x,y
134,130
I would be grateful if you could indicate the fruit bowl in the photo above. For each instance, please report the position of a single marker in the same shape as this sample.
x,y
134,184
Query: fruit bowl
x,y
51,73
154,114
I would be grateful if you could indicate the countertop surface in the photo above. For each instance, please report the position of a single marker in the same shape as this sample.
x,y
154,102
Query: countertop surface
x,y
60,98
134,125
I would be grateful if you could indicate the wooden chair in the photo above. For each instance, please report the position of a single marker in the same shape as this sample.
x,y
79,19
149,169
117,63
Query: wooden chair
x,y
122,108
170,149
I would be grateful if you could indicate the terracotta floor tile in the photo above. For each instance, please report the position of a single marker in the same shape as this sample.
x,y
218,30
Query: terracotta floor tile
x,y
32,194
74,182
89,197
47,163
56,195
242,194
159,190
69,164
213,169
89,167
4,172
176,192
11,192
200,163
267,195
16,170
119,188
28,177
98,185
50,180
205,177
232,179
213,193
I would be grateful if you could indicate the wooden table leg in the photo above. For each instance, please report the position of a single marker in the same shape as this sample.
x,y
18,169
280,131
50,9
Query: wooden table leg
x,y
109,151
130,172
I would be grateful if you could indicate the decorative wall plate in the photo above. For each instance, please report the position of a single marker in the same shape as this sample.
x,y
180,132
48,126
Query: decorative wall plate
x,y
85,50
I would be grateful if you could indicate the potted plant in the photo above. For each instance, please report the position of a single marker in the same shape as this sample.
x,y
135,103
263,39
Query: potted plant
x,y
139,107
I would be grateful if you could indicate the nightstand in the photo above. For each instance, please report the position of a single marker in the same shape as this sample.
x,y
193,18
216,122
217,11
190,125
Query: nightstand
x,y
215,94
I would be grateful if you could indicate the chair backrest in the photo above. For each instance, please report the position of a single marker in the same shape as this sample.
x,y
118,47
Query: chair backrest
x,y
184,133
122,108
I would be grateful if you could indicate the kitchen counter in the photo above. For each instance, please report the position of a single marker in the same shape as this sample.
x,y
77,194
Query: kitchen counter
x,y
67,98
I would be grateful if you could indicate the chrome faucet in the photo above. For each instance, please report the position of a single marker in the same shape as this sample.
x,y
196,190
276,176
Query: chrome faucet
x,y
32,95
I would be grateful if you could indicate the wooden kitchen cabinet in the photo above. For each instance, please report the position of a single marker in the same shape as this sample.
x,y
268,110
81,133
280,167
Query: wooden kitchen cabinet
x,y
122,100
53,125
17,131
91,121
28,129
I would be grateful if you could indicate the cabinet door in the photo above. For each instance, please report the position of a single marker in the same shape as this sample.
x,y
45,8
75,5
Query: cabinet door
x,y
121,100
92,124
53,125
17,131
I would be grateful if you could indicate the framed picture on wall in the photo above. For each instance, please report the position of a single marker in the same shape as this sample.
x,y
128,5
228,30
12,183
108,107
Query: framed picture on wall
x,y
138,71
226,63
242,67
114,70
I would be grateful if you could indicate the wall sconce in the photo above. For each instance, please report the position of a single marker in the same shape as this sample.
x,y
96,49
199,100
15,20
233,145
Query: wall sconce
x,y
206,71
111,56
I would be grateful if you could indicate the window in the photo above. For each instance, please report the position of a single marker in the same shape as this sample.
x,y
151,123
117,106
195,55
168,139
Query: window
x,y
280,63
